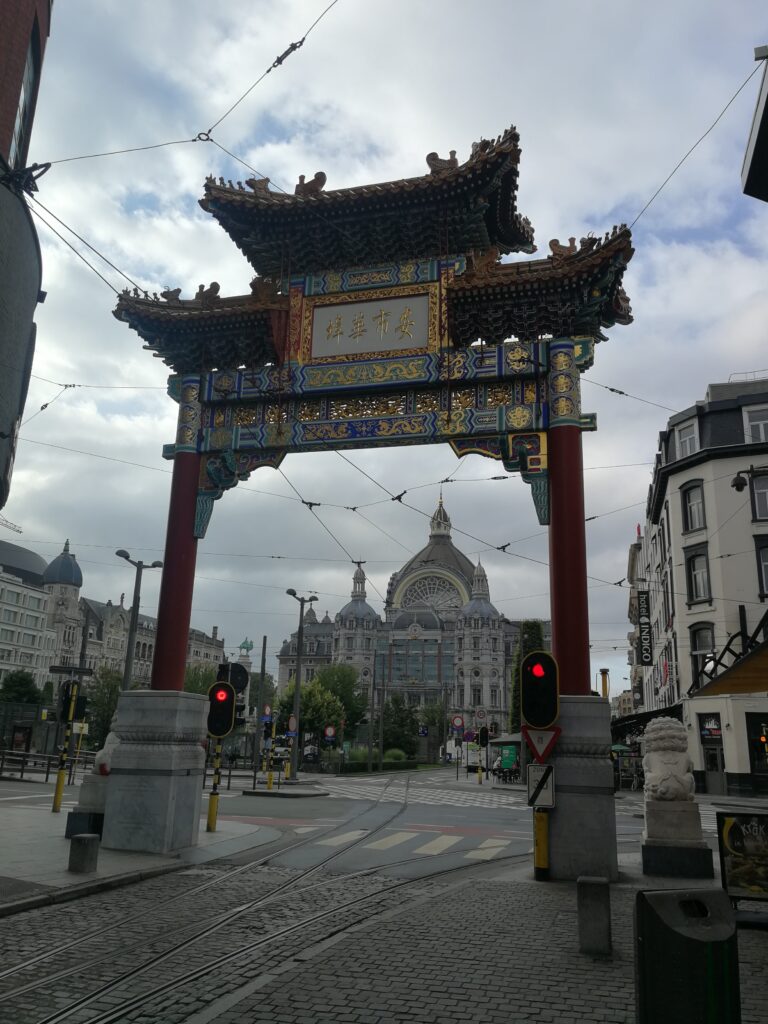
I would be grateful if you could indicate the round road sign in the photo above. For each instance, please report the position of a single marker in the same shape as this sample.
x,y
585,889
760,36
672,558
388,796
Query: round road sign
x,y
267,709
480,714
457,722
292,723
329,732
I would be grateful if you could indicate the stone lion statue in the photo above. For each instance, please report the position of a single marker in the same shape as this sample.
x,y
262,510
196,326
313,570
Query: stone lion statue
x,y
667,765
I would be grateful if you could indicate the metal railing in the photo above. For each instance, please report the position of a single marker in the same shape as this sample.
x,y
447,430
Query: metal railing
x,y
29,764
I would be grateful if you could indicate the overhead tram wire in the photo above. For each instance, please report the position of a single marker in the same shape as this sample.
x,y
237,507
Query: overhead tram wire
x,y
680,163
74,250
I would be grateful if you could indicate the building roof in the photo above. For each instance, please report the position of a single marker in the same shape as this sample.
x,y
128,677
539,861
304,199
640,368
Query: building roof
x,y
64,570
439,553
575,290
424,617
21,562
456,208
479,604
358,608
209,330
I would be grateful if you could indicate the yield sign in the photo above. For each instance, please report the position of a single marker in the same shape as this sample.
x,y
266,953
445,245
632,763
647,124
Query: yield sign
x,y
541,741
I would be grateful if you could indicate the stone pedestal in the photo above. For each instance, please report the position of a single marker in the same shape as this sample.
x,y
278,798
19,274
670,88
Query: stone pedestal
x,y
673,845
582,826
155,788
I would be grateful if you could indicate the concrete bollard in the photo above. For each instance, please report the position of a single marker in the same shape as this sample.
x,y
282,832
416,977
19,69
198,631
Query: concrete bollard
x,y
593,901
84,853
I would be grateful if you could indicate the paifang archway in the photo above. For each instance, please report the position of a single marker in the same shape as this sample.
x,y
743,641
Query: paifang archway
x,y
382,315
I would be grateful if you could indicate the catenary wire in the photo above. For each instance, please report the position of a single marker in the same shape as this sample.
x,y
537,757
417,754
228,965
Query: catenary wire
x,y
699,140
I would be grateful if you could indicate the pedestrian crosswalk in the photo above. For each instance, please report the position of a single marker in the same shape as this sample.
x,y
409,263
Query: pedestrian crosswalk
x,y
424,843
417,795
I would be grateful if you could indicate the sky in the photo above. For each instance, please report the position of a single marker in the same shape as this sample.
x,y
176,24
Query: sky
x,y
607,98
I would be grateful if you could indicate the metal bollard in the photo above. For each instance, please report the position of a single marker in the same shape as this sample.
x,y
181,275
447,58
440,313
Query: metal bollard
x,y
593,904
84,853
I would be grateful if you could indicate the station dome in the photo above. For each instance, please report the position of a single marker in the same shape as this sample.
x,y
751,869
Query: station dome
x,y
64,570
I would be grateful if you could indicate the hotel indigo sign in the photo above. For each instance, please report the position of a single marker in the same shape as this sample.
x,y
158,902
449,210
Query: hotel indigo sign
x,y
645,641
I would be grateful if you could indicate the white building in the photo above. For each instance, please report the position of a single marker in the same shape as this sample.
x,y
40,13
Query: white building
x,y
699,568
26,641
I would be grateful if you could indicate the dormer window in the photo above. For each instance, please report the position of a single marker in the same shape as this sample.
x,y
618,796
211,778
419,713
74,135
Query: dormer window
x,y
756,424
687,441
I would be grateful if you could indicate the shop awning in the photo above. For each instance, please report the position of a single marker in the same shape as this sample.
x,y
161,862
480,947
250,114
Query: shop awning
x,y
748,675
631,724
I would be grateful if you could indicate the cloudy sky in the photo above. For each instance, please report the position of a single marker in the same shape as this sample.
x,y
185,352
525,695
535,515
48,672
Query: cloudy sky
x,y
607,97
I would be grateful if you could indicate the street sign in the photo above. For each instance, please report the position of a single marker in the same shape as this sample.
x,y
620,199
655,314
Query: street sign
x,y
541,785
329,732
80,727
291,730
423,730
480,715
457,722
267,711
70,670
238,676
541,741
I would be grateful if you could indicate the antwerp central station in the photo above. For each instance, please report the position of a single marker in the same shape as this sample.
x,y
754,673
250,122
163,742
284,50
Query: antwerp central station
x,y
440,639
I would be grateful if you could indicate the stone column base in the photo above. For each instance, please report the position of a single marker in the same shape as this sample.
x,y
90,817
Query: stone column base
x,y
155,789
582,826
693,860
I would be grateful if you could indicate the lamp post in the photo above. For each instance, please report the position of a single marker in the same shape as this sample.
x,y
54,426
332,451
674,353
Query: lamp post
x,y
134,623
297,680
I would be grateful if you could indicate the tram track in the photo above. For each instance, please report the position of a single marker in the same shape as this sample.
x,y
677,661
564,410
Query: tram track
x,y
140,916
291,886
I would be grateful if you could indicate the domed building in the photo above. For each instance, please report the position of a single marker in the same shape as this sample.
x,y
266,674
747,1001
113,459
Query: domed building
x,y
441,638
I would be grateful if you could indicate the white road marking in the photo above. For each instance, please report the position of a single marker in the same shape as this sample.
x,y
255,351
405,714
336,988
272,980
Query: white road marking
x,y
30,796
487,849
439,845
388,841
301,829
345,837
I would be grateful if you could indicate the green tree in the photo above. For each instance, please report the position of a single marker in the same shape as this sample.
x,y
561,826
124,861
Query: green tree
x,y
433,715
19,688
342,681
401,725
199,678
47,696
319,708
531,639
103,693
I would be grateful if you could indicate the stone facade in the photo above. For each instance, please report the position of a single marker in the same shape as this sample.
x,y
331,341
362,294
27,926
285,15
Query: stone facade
x,y
440,637
44,619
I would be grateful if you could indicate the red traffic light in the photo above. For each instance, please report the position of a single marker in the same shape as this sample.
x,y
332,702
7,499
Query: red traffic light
x,y
221,710
220,694
538,670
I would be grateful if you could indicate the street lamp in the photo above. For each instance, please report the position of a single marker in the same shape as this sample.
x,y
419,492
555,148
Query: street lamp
x,y
134,623
297,680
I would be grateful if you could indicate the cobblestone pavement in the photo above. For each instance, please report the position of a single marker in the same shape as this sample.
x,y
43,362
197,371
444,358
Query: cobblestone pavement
x,y
454,948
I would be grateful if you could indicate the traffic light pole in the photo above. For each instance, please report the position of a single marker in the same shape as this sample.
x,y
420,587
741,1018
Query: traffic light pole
x,y
213,799
61,775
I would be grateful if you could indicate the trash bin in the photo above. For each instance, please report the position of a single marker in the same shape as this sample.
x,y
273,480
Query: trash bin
x,y
686,957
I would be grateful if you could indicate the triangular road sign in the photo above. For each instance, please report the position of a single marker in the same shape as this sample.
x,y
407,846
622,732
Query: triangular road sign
x,y
541,741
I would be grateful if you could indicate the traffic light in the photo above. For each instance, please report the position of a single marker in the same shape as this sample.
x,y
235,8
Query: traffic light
x,y
221,713
764,736
483,739
539,690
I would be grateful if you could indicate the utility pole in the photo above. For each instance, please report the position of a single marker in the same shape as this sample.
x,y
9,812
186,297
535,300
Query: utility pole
x,y
134,623
371,713
297,681
258,702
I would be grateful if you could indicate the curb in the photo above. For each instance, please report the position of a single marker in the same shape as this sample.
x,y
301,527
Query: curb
x,y
75,892
286,794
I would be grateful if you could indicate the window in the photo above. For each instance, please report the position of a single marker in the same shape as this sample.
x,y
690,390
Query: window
x,y
693,507
460,645
28,639
761,549
494,643
477,696
494,698
348,643
760,496
25,108
12,597
756,424
686,440
702,647
10,616
697,573
475,643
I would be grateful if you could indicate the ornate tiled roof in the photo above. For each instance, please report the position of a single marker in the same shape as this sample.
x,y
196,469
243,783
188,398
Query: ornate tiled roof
x,y
194,334
575,290
456,208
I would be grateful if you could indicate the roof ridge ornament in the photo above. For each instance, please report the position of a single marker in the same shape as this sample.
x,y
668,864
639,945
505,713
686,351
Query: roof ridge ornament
x,y
437,163
311,188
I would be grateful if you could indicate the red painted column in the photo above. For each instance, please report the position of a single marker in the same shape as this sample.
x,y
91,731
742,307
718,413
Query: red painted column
x,y
175,606
568,560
